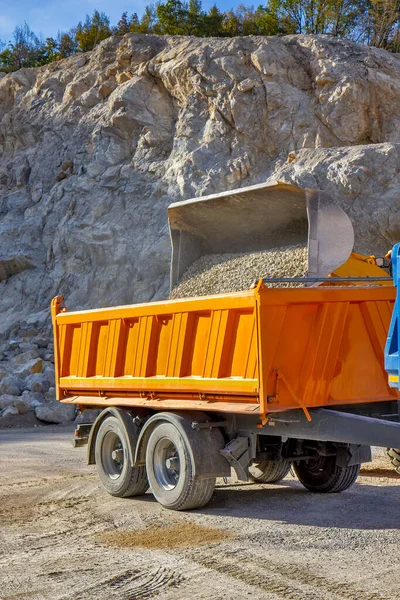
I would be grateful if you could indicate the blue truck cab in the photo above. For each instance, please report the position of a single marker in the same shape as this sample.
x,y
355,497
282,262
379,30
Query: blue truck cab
x,y
392,355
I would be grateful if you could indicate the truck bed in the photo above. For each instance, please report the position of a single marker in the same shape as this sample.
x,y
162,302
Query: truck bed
x,y
260,351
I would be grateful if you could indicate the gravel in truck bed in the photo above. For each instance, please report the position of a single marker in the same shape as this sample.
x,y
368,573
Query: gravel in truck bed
x,y
222,273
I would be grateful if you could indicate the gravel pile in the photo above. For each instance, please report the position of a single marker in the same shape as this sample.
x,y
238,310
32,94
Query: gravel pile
x,y
221,273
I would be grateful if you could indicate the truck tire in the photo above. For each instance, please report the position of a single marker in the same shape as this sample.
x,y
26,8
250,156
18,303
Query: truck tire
x,y
170,471
115,472
269,471
394,455
321,474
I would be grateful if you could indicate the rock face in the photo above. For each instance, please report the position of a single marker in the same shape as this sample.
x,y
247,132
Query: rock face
x,y
94,148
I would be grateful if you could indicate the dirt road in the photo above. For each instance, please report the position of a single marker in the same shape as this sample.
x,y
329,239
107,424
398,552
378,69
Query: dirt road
x,y
59,536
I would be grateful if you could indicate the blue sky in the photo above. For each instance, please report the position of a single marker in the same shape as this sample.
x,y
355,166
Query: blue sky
x,y
46,17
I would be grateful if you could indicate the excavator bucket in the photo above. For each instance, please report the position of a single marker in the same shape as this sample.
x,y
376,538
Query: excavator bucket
x,y
257,218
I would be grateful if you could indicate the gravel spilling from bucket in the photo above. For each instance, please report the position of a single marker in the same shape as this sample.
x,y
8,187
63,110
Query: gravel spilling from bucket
x,y
221,273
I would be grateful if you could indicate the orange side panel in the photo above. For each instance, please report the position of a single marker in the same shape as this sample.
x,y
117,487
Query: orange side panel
x,y
272,349
187,348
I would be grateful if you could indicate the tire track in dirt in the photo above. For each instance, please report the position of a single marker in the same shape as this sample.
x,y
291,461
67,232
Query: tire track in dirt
x,y
41,480
132,585
287,581
26,513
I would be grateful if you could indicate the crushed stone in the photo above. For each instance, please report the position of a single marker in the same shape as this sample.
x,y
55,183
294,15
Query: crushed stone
x,y
224,273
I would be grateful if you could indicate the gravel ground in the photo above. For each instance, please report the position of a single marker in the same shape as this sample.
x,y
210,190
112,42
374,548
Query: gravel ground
x,y
62,537
221,273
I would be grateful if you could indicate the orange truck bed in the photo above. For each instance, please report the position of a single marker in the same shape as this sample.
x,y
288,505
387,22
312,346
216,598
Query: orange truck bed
x,y
254,352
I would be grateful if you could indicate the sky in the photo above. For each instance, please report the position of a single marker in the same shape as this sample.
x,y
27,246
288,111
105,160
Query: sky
x,y
47,17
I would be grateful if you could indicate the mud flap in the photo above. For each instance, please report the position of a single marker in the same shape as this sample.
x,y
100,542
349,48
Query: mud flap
x,y
204,444
237,453
353,455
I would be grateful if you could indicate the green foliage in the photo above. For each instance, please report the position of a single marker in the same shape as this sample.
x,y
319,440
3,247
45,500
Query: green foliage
x,y
212,23
334,17
92,31
66,44
381,24
123,24
374,22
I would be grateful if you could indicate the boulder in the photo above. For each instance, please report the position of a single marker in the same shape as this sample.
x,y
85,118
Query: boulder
x,y
55,412
26,357
10,385
7,400
28,347
87,416
33,398
10,411
24,406
38,382
50,395
41,342
29,368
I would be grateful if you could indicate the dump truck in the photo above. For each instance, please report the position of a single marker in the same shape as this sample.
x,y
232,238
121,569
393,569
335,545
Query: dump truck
x,y
256,381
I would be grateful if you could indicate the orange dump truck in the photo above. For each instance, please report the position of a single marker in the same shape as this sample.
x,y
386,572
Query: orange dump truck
x,y
256,381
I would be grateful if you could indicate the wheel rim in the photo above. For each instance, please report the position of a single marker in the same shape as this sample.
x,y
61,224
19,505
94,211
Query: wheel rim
x,y
316,466
166,464
112,455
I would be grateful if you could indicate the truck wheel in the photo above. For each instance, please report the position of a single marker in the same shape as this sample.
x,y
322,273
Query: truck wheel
x,y
170,471
321,474
269,471
116,474
394,455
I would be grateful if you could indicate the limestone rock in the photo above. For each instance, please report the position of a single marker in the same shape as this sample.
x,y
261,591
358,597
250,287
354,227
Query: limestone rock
x,y
38,382
55,412
25,357
7,400
10,385
29,368
10,411
24,407
87,416
33,398
50,395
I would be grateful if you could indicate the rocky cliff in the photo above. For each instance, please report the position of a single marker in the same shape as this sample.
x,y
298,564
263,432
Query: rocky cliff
x,y
93,149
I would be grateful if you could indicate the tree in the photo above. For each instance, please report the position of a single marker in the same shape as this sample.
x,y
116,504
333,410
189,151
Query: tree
x,y
383,24
194,22
5,60
67,44
47,52
24,49
93,31
231,24
148,23
374,22
123,24
334,17
171,17
212,22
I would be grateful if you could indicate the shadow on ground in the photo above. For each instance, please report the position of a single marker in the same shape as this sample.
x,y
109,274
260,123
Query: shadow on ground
x,y
364,506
